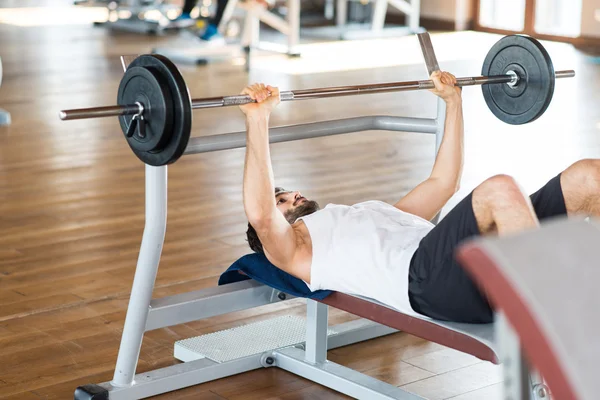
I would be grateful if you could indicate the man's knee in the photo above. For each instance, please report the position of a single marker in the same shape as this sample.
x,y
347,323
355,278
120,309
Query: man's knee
x,y
499,195
584,175
499,189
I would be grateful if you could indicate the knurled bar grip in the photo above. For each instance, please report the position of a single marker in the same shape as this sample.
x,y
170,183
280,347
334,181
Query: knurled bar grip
x,y
339,91
242,99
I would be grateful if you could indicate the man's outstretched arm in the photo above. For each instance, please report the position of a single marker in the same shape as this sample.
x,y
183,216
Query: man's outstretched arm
x,y
275,233
430,196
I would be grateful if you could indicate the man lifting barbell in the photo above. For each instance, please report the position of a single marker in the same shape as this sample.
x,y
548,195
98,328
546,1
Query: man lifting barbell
x,y
392,253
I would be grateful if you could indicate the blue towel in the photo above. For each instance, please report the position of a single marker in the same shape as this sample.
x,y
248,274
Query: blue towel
x,y
257,267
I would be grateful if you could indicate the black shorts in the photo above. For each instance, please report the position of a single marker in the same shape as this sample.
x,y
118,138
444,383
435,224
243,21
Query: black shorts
x,y
438,286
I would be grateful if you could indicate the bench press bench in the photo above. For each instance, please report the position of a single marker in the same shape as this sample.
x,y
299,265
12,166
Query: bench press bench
x,y
474,339
145,314
535,326
303,354
306,357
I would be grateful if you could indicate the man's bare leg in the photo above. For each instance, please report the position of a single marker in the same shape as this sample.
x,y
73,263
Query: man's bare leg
x,y
500,206
581,187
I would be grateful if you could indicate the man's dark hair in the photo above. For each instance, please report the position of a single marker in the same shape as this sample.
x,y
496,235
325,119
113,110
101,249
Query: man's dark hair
x,y
253,240
307,208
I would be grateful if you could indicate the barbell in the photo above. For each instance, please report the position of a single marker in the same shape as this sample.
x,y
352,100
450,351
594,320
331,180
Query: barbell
x,y
155,108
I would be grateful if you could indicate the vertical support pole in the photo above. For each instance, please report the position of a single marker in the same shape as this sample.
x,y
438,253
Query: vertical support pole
x,y
515,369
329,9
251,32
293,20
250,35
316,331
415,15
462,15
245,37
227,14
341,14
379,11
145,275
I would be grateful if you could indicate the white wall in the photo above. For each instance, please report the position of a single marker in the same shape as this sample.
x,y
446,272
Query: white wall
x,y
458,11
439,9
590,18
464,13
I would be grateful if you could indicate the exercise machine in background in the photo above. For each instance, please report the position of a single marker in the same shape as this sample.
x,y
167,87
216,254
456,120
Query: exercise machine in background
x,y
189,49
140,16
375,28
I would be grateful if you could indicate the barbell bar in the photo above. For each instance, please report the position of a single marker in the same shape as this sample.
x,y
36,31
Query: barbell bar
x,y
154,107
511,78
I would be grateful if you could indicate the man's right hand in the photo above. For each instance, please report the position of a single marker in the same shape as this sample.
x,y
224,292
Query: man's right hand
x,y
445,86
266,97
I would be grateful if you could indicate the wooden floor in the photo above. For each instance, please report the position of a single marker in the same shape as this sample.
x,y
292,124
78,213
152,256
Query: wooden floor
x,y
72,197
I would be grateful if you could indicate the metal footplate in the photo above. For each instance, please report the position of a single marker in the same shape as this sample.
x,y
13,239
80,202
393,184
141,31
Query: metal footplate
x,y
280,343
245,340
233,361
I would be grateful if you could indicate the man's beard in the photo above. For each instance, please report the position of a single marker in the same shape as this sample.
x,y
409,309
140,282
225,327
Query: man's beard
x,y
306,208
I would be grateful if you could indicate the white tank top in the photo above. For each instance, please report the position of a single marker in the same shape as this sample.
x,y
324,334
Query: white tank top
x,y
365,249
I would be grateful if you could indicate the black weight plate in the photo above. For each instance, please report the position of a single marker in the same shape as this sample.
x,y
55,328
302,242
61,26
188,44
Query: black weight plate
x,y
530,98
181,111
144,85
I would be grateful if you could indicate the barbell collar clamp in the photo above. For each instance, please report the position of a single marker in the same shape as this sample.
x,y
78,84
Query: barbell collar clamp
x,y
515,78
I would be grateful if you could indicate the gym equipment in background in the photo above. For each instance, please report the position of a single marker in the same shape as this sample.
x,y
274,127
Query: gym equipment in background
x,y
191,50
345,30
139,16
